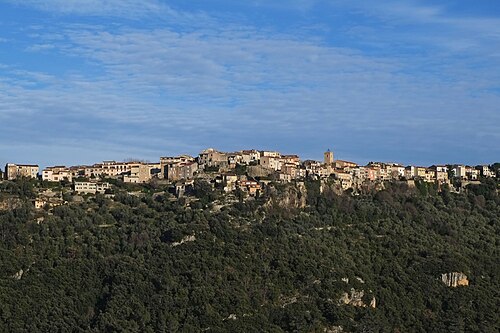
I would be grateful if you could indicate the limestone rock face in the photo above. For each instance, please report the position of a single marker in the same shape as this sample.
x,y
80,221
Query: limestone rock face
x,y
18,275
186,239
355,298
454,279
373,303
292,196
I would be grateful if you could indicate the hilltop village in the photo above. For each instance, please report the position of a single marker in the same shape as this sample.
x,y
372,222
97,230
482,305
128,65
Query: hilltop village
x,y
248,171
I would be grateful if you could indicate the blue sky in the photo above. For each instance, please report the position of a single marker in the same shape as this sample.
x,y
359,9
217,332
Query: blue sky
x,y
416,82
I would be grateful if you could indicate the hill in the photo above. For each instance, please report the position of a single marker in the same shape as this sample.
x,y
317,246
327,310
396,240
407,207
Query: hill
x,y
295,259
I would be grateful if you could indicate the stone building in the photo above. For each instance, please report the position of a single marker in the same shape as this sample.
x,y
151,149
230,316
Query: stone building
x,y
13,171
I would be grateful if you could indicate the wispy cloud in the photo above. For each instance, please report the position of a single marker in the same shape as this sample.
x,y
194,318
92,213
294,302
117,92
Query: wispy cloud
x,y
236,85
432,23
120,8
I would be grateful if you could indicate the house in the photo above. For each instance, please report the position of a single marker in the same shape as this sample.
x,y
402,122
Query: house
x,y
341,164
139,173
169,161
40,203
229,180
345,179
440,173
249,186
472,173
485,171
91,187
14,171
397,171
459,171
312,167
108,169
233,159
289,169
290,159
78,171
182,186
420,172
178,171
270,162
57,173
213,158
250,156
268,153
409,172
372,173
359,174
384,172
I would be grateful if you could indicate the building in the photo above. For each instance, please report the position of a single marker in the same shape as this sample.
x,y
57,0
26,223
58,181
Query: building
x,y
289,169
484,170
178,171
472,173
420,172
270,153
233,159
270,162
340,164
57,173
459,171
328,157
213,158
139,173
346,179
397,171
440,173
91,187
108,169
290,159
311,167
249,186
14,171
229,180
167,161
409,172
250,156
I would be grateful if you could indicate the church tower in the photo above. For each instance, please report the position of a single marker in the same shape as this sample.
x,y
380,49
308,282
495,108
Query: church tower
x,y
328,159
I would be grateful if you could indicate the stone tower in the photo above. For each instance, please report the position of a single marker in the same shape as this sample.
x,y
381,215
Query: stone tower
x,y
328,159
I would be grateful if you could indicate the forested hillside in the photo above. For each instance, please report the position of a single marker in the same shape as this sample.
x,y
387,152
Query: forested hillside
x,y
365,263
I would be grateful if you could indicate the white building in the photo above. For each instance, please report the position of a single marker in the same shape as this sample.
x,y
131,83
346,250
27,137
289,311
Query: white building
x,y
90,187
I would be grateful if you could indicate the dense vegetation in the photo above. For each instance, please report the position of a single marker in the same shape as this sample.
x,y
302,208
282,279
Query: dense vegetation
x,y
113,265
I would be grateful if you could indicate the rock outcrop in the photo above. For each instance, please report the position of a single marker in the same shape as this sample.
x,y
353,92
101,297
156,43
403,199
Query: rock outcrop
x,y
355,298
186,239
334,329
292,196
454,279
18,275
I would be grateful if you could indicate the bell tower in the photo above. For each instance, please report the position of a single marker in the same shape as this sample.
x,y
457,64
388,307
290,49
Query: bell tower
x,y
328,157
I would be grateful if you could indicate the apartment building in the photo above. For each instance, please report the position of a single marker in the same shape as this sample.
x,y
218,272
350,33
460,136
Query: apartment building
x,y
91,187
14,171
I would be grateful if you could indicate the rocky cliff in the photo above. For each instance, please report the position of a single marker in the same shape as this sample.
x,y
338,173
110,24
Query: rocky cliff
x,y
455,279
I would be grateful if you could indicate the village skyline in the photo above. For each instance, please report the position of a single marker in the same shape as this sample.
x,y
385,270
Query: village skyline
x,y
247,166
151,159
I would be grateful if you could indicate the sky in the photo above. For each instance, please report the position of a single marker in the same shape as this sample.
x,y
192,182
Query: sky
x,y
408,81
